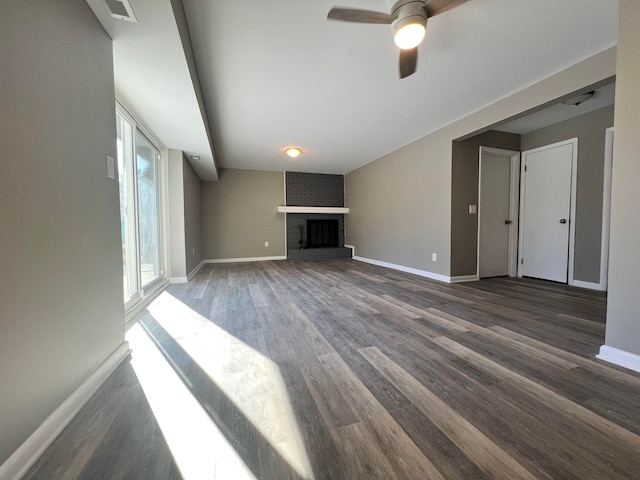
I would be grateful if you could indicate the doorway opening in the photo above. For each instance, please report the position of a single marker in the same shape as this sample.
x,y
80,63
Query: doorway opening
x,y
498,186
587,227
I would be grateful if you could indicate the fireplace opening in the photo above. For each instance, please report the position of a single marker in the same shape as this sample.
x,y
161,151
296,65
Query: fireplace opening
x,y
322,233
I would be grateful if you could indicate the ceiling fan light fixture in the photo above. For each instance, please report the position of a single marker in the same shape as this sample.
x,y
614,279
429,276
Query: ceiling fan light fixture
x,y
293,152
409,32
410,25
408,20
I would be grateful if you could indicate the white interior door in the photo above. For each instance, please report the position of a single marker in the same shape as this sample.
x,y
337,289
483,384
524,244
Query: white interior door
x,y
494,215
546,208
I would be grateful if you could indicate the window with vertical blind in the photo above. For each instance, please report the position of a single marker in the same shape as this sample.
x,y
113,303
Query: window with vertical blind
x,y
140,214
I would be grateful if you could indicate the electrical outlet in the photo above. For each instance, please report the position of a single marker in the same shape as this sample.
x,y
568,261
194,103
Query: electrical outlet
x,y
434,257
266,244
473,209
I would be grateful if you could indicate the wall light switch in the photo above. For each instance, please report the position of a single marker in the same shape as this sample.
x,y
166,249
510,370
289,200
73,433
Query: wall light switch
x,y
473,209
434,257
266,244
193,252
111,167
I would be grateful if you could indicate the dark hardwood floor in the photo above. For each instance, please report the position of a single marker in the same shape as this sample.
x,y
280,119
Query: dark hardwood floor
x,y
343,370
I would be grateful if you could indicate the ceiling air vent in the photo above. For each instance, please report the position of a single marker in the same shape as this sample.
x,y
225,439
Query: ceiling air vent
x,y
121,9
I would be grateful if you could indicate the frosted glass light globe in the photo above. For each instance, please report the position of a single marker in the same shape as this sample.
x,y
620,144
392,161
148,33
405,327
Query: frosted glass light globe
x,y
409,36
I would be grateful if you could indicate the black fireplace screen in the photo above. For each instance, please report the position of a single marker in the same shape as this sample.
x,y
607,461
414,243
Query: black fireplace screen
x,y
322,233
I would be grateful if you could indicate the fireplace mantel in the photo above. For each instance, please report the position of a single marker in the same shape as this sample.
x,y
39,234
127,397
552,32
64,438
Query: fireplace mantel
x,y
285,209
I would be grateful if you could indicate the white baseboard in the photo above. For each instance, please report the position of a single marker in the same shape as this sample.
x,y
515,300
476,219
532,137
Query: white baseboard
x,y
28,453
246,259
415,271
188,278
589,285
619,357
194,271
464,278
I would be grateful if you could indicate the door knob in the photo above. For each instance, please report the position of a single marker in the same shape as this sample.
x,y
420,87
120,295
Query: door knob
x,y
563,220
507,222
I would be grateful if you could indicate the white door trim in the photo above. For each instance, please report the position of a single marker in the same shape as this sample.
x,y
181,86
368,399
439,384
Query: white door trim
x,y
606,209
572,214
513,205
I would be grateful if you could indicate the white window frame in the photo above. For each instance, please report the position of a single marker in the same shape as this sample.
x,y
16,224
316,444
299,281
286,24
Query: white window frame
x,y
148,292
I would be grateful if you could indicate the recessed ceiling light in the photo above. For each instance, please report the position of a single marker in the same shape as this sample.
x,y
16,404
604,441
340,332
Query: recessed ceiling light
x,y
293,152
195,157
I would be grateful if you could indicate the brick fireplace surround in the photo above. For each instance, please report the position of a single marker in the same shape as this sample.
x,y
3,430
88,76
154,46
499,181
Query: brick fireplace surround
x,y
313,190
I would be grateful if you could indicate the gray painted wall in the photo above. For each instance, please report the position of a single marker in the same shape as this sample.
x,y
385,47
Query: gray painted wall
x,y
400,204
590,130
623,321
239,215
176,207
464,192
192,216
61,299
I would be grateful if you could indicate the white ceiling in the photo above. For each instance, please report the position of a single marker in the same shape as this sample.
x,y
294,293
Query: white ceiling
x,y
603,97
276,72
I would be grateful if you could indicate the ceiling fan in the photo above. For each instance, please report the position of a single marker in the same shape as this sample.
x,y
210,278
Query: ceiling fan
x,y
408,20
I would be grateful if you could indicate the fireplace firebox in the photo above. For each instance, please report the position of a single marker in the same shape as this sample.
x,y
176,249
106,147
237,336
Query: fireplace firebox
x,y
322,233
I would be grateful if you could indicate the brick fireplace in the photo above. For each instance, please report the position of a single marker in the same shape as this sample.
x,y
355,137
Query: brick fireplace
x,y
315,190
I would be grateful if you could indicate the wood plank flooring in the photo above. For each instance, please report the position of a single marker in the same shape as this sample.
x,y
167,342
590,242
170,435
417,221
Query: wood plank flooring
x,y
343,370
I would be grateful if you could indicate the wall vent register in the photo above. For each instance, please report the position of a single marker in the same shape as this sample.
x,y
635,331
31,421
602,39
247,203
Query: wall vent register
x,y
121,9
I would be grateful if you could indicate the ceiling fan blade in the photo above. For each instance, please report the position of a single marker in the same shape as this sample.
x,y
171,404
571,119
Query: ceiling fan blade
x,y
435,7
408,62
359,16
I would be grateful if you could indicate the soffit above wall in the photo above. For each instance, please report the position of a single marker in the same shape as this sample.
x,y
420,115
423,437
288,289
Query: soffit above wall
x,y
603,97
152,74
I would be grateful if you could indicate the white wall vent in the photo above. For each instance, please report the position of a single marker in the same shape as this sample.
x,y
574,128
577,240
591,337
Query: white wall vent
x,y
121,9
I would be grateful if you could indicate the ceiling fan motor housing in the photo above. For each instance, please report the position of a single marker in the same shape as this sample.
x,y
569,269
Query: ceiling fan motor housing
x,y
404,8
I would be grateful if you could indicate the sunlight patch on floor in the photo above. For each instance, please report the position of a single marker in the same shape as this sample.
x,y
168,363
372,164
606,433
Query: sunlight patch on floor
x,y
199,448
251,380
